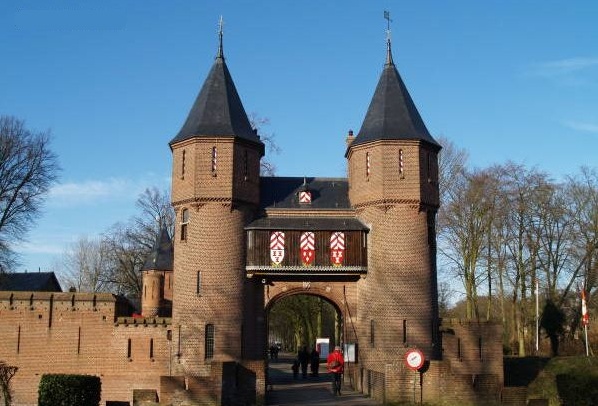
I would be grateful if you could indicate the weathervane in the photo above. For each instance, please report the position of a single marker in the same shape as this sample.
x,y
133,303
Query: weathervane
x,y
388,50
388,21
220,29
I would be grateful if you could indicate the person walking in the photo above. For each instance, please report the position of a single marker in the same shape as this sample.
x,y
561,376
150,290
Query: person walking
x,y
335,364
315,362
303,360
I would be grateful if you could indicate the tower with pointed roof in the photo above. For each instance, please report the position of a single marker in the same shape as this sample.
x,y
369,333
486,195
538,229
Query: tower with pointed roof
x,y
215,191
156,295
393,186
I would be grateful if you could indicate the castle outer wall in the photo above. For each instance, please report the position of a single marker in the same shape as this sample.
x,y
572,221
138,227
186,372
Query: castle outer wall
x,y
79,333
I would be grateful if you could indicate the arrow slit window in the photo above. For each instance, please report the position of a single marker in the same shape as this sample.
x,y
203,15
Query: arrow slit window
x,y
401,164
214,160
367,165
183,164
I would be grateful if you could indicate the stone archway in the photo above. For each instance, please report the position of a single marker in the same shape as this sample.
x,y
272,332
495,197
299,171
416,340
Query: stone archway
x,y
341,295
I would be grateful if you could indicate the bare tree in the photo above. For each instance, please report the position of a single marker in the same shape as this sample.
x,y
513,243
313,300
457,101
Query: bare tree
x,y
28,168
258,123
463,223
85,263
128,245
6,374
155,213
452,162
112,263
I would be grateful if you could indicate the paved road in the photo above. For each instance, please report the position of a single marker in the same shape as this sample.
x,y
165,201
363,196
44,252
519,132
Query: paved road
x,y
313,391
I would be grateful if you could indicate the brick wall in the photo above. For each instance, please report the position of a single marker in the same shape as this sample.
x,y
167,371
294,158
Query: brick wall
x,y
80,334
473,347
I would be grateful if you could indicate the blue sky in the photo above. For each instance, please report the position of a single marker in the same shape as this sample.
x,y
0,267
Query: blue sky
x,y
114,81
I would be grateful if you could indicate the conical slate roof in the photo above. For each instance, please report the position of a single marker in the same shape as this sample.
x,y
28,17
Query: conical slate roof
x,y
218,110
161,256
392,115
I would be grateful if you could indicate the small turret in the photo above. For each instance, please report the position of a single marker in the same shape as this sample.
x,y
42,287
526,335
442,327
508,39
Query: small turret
x,y
156,297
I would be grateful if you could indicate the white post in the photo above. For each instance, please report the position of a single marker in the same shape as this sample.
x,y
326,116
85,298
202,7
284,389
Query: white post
x,y
537,317
585,327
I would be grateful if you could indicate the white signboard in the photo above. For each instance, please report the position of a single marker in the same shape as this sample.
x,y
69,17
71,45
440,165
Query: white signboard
x,y
323,347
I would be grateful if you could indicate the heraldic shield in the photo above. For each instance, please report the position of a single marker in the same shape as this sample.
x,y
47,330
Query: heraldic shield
x,y
337,248
277,247
308,248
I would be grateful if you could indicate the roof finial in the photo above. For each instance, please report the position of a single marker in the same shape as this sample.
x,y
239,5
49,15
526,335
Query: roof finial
x,y
389,60
220,29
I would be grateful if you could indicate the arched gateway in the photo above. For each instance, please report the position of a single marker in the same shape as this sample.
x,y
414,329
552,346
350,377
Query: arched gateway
x,y
366,243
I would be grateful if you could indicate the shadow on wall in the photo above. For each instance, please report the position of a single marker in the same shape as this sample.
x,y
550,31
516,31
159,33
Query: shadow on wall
x,y
523,371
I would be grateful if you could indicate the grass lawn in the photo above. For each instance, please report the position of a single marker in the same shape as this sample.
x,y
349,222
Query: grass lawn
x,y
566,381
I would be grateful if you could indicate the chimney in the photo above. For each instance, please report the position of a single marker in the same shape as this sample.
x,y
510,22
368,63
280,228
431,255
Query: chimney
x,y
350,138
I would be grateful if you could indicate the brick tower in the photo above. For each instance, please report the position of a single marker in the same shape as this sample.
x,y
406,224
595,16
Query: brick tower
x,y
215,192
156,296
393,185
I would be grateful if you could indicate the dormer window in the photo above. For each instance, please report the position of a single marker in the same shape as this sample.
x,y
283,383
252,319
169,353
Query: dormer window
x,y
214,160
305,197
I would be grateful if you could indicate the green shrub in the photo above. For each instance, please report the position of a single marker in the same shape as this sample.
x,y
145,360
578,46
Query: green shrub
x,y
578,389
69,390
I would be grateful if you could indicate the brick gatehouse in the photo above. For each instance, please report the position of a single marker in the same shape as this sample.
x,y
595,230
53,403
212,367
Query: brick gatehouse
x,y
365,243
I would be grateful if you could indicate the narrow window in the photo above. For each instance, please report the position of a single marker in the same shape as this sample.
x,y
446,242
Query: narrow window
x,y
480,347
129,348
94,301
51,311
401,164
429,166
31,300
367,165
404,331
372,332
79,342
145,291
183,165
184,223
151,354
11,299
19,340
198,287
73,301
209,344
178,353
245,166
214,160
153,288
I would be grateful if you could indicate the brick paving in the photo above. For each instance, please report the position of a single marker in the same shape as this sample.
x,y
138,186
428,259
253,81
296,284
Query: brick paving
x,y
313,391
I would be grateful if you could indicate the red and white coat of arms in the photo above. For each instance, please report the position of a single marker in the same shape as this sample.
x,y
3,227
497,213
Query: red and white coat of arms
x,y
277,247
308,248
337,248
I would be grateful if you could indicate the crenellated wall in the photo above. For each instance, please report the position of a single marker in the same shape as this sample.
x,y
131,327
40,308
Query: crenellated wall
x,y
81,333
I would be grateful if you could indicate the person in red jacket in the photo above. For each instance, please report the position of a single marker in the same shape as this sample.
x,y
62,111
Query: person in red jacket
x,y
336,365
